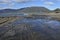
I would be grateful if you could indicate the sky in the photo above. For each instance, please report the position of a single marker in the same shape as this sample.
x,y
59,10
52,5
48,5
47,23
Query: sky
x,y
17,4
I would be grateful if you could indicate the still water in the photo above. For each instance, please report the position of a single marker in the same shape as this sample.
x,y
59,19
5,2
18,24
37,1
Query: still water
x,y
49,28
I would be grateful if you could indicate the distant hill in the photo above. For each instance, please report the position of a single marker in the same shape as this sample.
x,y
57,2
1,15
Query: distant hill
x,y
7,10
26,10
34,9
57,10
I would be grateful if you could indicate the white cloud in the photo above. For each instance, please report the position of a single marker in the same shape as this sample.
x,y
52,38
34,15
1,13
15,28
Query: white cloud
x,y
21,0
49,3
9,1
5,1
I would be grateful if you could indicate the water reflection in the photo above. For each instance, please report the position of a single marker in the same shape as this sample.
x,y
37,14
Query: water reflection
x,y
39,22
47,28
43,29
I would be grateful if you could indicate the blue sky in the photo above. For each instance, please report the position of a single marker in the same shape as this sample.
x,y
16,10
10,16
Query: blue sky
x,y
16,4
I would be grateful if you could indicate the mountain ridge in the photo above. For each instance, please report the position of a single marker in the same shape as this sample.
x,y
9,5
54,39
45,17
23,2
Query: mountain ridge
x,y
26,9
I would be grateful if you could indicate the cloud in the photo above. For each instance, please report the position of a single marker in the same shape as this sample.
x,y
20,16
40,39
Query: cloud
x,y
49,3
10,1
21,0
51,0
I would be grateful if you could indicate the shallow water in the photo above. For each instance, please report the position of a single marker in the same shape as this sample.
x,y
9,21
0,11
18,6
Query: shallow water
x,y
49,28
37,23
52,23
12,14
